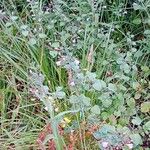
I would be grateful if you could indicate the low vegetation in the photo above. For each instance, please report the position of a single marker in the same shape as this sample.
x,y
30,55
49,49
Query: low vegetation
x,y
74,74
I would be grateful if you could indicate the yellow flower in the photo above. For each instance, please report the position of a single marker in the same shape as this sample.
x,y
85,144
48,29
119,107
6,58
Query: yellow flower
x,y
64,122
67,120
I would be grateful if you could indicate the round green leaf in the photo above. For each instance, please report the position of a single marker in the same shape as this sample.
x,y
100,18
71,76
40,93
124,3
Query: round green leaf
x,y
95,110
25,32
137,6
135,85
32,41
131,102
136,121
137,95
104,115
42,35
112,87
137,21
86,100
125,67
106,102
74,99
23,27
136,138
97,85
14,18
55,45
147,32
145,107
147,126
53,53
145,68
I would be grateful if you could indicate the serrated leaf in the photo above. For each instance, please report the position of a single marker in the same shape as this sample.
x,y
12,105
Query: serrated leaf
x,y
145,107
136,138
95,110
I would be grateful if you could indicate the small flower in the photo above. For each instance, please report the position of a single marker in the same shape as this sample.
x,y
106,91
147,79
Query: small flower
x,y
125,12
104,7
33,99
74,41
57,49
56,109
112,30
46,108
105,144
85,69
130,146
64,122
67,120
72,83
58,63
77,62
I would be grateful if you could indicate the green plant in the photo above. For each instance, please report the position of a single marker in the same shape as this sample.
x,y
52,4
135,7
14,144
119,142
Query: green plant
x,y
81,68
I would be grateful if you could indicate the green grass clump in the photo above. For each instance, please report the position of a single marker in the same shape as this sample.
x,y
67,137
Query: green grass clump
x,y
74,74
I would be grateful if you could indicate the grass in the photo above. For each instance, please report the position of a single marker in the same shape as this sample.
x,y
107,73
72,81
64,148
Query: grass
x,y
100,36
